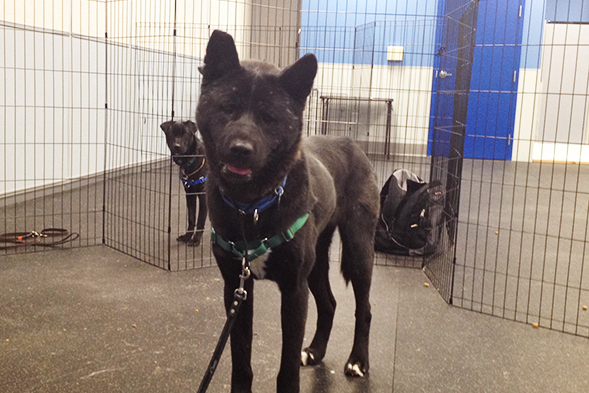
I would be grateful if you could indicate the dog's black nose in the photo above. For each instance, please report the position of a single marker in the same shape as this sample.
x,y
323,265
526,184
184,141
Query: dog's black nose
x,y
241,149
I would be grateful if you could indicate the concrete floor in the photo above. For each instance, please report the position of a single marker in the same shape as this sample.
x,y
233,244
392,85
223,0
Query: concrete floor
x,y
95,320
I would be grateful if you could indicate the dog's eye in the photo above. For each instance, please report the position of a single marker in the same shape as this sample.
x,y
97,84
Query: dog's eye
x,y
228,108
267,117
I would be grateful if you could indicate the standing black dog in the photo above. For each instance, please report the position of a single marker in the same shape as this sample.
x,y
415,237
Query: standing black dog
x,y
270,189
188,153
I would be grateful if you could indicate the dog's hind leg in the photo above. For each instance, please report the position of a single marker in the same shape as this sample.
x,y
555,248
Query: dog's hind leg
x,y
321,290
357,260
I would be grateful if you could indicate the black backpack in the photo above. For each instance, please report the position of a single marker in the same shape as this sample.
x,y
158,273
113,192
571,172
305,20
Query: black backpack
x,y
411,215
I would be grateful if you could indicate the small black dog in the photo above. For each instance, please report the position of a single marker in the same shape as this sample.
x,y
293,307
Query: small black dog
x,y
188,153
269,189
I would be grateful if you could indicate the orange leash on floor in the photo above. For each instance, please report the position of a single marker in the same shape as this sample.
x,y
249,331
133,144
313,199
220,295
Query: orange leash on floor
x,y
33,238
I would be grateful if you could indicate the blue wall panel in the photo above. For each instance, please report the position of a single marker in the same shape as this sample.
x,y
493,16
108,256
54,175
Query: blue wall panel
x,y
533,14
359,32
572,11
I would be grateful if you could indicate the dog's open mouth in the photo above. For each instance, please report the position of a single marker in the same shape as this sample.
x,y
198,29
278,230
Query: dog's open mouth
x,y
237,174
238,170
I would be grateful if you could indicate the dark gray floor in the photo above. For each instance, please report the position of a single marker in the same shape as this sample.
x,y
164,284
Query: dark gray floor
x,y
95,320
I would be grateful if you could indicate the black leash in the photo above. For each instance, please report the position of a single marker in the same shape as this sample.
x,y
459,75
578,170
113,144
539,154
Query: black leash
x,y
239,296
33,238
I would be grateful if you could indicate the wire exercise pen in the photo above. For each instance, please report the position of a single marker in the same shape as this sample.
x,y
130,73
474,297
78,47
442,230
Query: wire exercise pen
x,y
504,127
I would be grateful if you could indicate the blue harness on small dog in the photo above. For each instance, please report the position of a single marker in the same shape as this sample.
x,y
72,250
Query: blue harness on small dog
x,y
196,182
186,178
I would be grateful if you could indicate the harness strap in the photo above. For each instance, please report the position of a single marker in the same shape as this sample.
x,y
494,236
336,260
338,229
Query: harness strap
x,y
259,206
196,182
258,248
187,176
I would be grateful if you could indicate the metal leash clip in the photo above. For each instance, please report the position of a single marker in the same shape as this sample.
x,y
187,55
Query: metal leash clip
x,y
245,274
279,191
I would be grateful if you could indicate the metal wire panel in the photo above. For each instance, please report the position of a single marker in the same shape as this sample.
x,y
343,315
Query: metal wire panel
x,y
52,98
86,84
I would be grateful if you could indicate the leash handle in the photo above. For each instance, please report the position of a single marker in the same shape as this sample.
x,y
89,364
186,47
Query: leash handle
x,y
33,238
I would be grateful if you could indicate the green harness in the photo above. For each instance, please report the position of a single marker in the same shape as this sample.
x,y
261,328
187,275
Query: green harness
x,y
254,249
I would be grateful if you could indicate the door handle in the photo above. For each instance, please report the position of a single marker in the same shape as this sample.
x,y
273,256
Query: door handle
x,y
443,74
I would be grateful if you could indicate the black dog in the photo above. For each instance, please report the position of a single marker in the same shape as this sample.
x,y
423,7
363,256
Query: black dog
x,y
188,153
269,188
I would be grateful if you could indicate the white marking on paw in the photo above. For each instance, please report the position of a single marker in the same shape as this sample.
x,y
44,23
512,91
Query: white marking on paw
x,y
304,356
355,369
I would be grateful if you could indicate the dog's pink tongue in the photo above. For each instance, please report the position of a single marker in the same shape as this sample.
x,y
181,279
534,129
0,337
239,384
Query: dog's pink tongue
x,y
239,171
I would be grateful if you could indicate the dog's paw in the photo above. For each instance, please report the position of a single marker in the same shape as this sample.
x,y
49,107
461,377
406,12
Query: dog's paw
x,y
195,239
193,242
307,358
356,370
310,357
184,238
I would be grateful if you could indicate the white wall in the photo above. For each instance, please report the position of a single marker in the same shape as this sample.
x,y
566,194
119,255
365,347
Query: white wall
x,y
409,87
85,17
53,81
552,118
52,99
51,92
151,23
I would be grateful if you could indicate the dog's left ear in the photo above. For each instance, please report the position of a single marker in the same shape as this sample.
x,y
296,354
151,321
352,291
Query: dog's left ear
x,y
165,125
297,79
191,125
221,57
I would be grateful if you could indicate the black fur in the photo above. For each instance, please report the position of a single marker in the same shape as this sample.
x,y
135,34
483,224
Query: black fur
x,y
188,153
250,117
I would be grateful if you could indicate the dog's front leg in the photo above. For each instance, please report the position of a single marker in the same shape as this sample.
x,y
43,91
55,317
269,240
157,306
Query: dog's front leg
x,y
294,316
191,206
191,210
241,337
202,217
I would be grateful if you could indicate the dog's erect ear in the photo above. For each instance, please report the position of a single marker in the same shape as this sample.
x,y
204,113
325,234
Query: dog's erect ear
x,y
221,57
165,125
191,125
297,79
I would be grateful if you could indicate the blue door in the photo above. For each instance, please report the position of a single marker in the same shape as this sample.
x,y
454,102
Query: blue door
x,y
493,87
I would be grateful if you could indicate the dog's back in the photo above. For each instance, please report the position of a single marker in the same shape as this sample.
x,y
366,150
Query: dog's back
x,y
350,169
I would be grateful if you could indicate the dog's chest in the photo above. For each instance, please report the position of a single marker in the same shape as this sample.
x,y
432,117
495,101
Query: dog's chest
x,y
259,266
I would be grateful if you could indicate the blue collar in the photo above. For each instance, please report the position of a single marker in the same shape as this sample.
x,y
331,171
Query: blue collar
x,y
259,206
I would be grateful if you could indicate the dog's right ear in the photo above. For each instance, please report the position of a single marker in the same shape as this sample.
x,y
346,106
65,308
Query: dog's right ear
x,y
165,125
297,79
191,126
221,57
